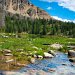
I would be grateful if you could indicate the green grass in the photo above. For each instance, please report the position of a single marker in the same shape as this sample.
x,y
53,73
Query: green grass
x,y
26,42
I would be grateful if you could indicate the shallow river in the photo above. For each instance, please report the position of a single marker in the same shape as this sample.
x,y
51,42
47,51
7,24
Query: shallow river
x,y
59,65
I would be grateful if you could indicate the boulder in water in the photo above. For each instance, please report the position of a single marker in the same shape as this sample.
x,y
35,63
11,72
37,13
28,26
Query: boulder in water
x,y
47,55
51,52
72,59
32,60
39,56
71,53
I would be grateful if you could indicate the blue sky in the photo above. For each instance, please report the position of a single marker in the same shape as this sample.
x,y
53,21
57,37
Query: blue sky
x,y
59,9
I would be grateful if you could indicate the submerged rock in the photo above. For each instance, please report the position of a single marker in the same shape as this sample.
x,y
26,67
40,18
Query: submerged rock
x,y
72,59
51,70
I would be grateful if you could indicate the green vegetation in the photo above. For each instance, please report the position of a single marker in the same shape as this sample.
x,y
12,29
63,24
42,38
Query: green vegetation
x,y
18,24
27,41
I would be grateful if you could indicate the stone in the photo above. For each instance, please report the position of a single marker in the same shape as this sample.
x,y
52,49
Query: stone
x,y
56,46
9,54
20,65
35,56
32,60
7,51
39,56
8,61
71,53
51,70
51,52
47,55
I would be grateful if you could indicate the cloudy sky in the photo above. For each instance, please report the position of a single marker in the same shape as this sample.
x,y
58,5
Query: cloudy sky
x,y
60,9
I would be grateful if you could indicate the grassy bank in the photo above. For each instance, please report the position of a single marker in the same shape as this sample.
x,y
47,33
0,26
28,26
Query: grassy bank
x,y
23,45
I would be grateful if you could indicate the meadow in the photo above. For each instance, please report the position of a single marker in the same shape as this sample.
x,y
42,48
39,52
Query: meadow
x,y
24,46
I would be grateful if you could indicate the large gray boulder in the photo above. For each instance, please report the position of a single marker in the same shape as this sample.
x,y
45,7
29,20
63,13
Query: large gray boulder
x,y
71,53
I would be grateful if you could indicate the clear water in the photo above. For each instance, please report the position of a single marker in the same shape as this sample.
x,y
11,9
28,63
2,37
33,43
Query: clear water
x,y
60,64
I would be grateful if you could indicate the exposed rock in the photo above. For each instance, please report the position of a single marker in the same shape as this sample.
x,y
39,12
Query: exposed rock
x,y
20,65
7,51
32,60
11,60
71,53
47,55
9,54
39,56
56,46
51,52
25,8
35,56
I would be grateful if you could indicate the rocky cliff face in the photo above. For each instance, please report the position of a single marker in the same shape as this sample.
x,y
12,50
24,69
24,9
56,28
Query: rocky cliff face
x,y
21,7
25,8
1,12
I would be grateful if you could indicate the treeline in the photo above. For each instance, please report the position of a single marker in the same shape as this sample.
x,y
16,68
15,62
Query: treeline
x,y
19,24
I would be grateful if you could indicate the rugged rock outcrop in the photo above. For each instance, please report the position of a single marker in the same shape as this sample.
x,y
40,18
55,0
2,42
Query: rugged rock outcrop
x,y
25,8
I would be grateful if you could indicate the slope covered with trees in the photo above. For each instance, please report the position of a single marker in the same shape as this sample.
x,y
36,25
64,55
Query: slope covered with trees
x,y
16,23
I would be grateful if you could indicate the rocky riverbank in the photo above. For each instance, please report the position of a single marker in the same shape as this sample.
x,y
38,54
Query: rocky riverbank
x,y
59,65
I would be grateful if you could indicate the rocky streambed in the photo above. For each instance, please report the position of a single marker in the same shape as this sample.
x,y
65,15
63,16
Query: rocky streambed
x,y
59,65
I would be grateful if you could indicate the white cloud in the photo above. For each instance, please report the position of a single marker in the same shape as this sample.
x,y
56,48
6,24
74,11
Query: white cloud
x,y
74,21
69,4
64,20
48,8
